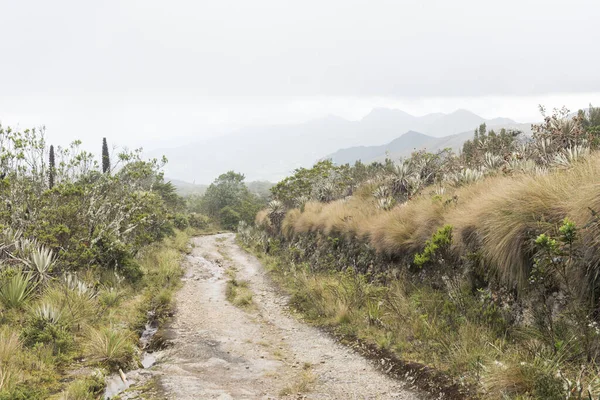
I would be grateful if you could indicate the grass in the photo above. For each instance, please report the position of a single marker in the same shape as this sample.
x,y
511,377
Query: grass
x,y
238,293
111,347
87,321
16,290
88,388
304,383
453,331
499,215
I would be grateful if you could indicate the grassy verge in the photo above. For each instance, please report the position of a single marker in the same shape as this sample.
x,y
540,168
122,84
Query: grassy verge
x,y
59,339
448,339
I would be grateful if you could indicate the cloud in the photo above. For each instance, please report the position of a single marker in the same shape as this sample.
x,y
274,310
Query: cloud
x,y
148,69
310,48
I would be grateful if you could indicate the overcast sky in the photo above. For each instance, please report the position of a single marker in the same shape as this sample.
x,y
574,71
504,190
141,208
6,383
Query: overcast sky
x,y
138,71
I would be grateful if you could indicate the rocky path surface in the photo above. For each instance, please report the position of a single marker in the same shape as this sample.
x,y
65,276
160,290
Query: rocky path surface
x,y
220,351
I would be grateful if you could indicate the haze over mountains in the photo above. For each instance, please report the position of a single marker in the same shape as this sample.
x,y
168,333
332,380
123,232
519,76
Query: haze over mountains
x,y
272,152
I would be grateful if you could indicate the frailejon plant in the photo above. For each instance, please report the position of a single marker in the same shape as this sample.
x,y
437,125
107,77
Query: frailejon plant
x,y
16,290
49,313
39,263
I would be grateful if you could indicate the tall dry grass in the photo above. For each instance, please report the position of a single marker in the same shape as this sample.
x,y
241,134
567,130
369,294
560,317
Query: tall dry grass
x,y
498,216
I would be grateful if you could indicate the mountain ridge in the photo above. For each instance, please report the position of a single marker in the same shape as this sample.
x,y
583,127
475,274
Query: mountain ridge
x,y
272,152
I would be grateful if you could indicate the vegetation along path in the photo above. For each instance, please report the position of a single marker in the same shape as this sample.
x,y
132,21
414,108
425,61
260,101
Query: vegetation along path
x,y
233,338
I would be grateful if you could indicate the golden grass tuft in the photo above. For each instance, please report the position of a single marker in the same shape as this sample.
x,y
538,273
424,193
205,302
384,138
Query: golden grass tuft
x,y
499,216
262,218
111,347
10,344
289,222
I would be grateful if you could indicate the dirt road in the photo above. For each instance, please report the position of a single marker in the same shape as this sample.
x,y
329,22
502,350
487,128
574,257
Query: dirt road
x,y
223,351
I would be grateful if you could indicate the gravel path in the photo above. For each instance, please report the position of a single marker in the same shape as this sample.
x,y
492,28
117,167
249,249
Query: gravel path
x,y
221,351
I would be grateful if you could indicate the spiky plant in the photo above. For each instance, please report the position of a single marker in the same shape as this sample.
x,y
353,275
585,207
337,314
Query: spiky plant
x,y
325,191
48,312
381,192
276,213
386,203
300,202
39,263
24,247
466,176
440,190
566,157
79,287
492,161
16,290
401,178
9,241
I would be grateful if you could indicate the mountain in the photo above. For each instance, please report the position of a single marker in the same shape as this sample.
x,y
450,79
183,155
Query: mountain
x,y
404,145
410,141
273,152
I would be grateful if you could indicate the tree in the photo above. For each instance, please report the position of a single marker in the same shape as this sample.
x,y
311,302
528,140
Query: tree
x,y
229,201
51,168
105,157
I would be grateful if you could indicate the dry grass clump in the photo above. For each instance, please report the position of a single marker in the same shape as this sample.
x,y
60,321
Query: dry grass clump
x,y
111,347
10,344
498,216
505,214
10,348
307,221
404,229
239,293
262,218
289,222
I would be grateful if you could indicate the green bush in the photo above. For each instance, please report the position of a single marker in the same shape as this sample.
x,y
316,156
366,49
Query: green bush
x,y
181,221
199,221
435,247
229,217
41,330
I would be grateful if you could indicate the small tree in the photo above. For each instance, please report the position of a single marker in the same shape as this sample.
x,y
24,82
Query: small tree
x,y
52,168
105,157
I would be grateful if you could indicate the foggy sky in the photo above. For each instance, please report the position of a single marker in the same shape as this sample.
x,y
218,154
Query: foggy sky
x,y
141,70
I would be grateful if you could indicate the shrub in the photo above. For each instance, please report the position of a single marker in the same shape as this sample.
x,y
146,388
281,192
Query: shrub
x,y
48,329
435,247
198,221
181,221
89,388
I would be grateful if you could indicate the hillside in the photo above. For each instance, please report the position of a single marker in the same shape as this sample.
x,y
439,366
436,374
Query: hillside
x,y
405,144
272,152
